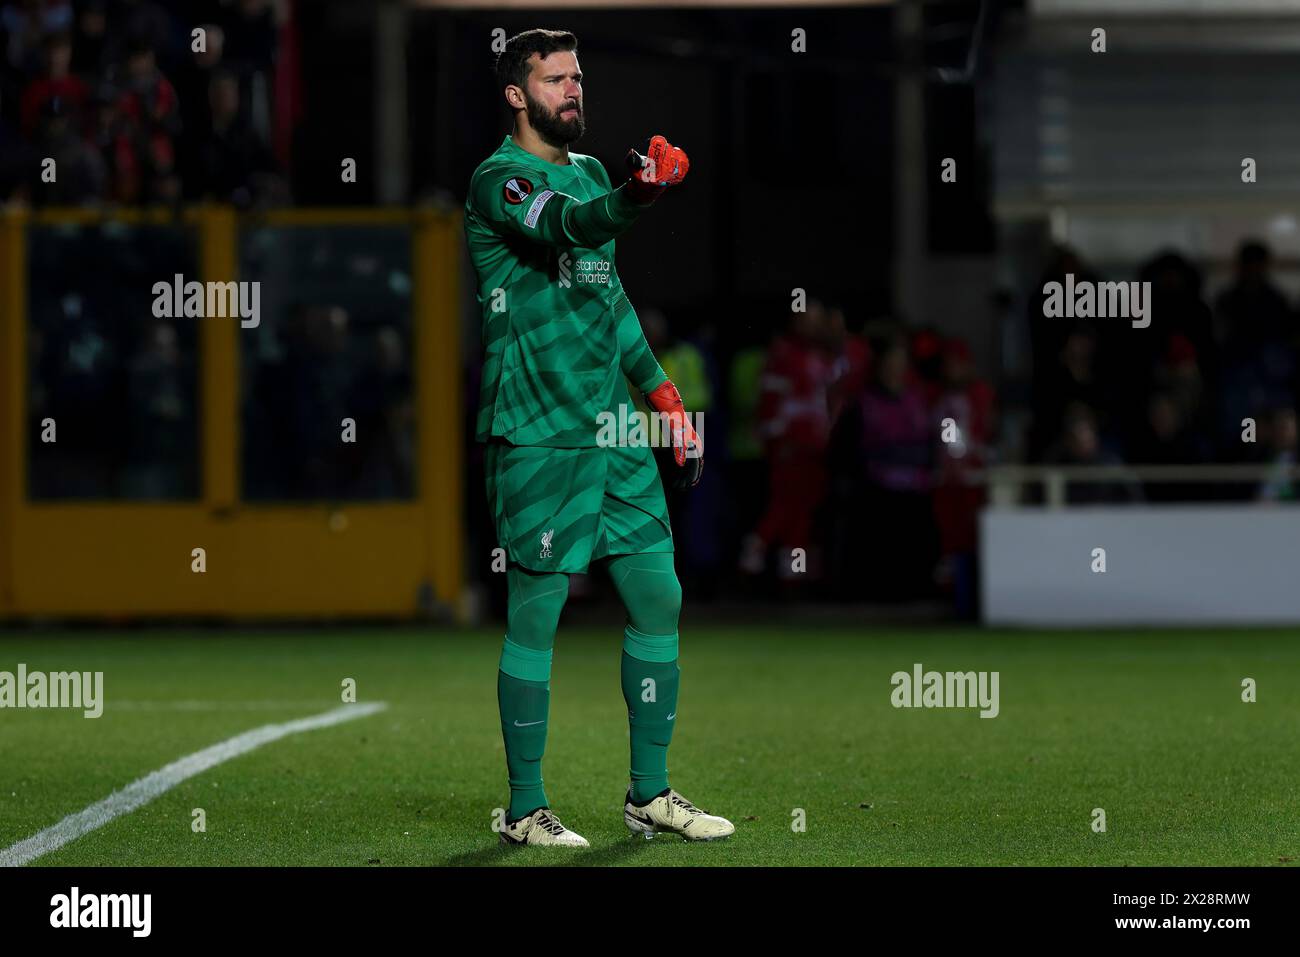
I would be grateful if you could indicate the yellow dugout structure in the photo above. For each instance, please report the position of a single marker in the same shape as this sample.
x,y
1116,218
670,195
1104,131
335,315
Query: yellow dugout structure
x,y
133,559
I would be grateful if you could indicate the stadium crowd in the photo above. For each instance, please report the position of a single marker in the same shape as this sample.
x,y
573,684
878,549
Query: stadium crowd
x,y
1178,393
830,467
116,94
825,465
848,463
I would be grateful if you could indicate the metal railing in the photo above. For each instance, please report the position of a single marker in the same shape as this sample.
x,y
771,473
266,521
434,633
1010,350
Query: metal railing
x,y
1005,482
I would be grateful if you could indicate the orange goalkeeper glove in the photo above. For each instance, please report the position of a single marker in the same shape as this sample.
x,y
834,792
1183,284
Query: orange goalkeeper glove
x,y
688,449
663,165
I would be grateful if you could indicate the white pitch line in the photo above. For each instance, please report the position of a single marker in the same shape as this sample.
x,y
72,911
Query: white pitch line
x,y
145,789
118,705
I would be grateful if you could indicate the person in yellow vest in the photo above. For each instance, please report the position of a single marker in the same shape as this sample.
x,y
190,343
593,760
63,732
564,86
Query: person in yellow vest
x,y
694,517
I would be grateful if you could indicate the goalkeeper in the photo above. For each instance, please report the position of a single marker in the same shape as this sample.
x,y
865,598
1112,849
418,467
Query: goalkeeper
x,y
560,340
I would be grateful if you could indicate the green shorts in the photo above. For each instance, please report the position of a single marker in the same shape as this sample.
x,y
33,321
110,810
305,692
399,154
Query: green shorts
x,y
558,509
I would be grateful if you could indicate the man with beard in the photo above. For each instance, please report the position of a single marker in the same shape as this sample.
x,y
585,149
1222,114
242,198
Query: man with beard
x,y
560,341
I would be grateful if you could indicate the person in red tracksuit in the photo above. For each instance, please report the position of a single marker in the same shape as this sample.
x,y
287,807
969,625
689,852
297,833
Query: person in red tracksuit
x,y
794,424
58,83
851,360
968,402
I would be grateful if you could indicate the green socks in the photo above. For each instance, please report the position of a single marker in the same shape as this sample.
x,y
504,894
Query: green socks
x,y
524,681
524,706
650,678
648,586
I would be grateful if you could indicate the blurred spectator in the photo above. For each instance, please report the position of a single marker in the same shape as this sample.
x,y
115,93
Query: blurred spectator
x,y
149,110
743,384
1282,437
1167,438
1071,379
850,359
232,163
56,83
1183,314
193,84
1259,365
958,496
696,513
250,35
794,425
682,361
1252,312
140,24
1178,373
895,449
26,23
107,68
746,470
1178,378
1080,444
80,173
163,426
109,137
926,368
1048,339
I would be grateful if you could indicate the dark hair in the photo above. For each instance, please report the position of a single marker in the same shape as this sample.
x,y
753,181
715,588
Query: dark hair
x,y
512,62
1252,252
138,44
1078,413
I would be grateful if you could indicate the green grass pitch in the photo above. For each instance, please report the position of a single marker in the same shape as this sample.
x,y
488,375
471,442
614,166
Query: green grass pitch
x,y
1149,726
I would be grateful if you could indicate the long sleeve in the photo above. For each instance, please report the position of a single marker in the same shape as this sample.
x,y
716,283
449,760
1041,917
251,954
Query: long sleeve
x,y
637,360
517,201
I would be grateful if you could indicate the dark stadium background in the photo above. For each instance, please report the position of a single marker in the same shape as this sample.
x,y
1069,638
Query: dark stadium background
x,y
820,171
794,173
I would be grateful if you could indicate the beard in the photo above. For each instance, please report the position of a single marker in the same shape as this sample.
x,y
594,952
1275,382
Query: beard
x,y
553,130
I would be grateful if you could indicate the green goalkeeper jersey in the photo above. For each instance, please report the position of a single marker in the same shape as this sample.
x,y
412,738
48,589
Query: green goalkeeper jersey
x,y
559,335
